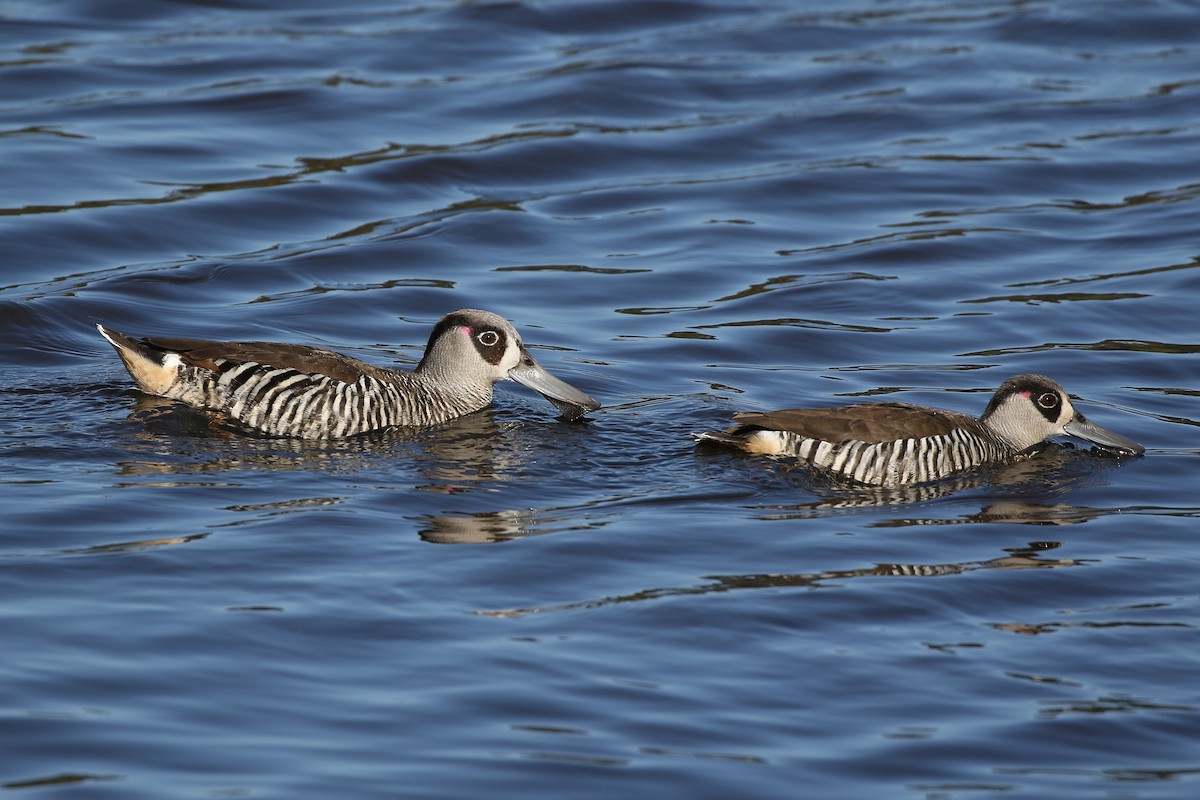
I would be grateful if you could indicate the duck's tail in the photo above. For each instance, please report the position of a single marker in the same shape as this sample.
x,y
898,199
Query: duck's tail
x,y
154,370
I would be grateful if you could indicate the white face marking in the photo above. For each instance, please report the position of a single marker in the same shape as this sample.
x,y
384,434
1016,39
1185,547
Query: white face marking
x,y
172,361
512,355
1068,413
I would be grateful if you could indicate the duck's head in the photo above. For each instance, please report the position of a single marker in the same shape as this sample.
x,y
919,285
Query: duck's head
x,y
1029,409
476,347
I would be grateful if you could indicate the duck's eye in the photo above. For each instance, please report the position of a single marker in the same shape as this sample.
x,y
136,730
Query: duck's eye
x,y
488,338
1047,400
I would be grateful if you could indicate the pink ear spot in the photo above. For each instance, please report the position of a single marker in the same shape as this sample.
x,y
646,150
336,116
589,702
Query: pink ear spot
x,y
1026,395
463,329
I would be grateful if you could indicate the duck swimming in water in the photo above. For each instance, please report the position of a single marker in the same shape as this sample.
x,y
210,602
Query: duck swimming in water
x,y
306,392
894,444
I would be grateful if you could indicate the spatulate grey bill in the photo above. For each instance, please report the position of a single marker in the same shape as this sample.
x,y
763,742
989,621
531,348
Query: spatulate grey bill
x,y
571,402
307,392
894,444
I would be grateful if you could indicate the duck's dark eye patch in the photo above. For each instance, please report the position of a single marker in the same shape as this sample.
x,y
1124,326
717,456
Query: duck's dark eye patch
x,y
1048,400
491,345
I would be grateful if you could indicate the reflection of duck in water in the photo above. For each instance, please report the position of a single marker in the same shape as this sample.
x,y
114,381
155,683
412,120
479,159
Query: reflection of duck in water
x,y
479,528
894,444
464,454
485,527
305,392
1027,557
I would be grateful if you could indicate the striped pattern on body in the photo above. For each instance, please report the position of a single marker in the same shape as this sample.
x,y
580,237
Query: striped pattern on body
x,y
284,401
897,462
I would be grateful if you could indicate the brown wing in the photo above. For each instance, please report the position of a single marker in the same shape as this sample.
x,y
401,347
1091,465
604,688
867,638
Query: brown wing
x,y
865,422
311,360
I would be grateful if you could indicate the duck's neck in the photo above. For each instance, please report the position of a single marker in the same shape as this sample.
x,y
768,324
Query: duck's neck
x,y
1007,433
438,396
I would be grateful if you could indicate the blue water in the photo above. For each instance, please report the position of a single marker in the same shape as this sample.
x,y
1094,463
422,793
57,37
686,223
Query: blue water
x,y
688,209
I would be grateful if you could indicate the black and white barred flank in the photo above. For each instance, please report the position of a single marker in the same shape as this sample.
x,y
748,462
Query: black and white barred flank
x,y
898,462
288,402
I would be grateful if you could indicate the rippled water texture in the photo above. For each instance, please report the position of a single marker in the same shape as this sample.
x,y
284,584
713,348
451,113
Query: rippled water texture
x,y
688,209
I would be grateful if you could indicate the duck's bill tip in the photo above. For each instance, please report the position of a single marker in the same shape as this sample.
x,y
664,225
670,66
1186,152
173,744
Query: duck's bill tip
x,y
1089,431
573,412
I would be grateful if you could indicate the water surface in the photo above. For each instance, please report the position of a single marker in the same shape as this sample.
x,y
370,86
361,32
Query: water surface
x,y
688,209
